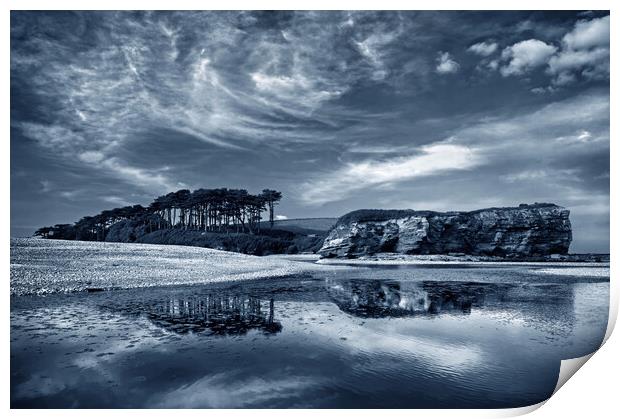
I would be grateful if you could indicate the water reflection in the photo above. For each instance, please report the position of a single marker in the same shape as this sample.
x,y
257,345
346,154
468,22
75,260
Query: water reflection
x,y
384,298
212,314
494,341
364,298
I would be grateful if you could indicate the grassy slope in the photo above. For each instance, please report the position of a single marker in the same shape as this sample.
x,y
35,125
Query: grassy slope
x,y
289,239
297,224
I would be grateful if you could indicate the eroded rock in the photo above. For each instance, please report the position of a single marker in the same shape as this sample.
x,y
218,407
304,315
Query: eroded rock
x,y
523,231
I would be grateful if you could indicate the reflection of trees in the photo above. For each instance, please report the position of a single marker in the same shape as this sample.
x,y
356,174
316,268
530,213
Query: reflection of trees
x,y
214,314
373,298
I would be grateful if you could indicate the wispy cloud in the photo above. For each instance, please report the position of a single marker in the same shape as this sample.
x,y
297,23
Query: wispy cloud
x,y
116,200
432,159
71,144
340,108
222,390
545,175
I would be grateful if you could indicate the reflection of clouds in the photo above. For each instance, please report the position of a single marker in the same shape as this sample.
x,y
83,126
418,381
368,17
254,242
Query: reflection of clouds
x,y
39,385
93,339
452,358
222,391
397,338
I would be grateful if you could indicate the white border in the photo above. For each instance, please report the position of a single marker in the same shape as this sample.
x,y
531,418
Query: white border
x,y
592,394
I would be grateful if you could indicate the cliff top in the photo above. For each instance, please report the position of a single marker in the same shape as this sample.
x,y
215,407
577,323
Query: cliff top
x,y
362,215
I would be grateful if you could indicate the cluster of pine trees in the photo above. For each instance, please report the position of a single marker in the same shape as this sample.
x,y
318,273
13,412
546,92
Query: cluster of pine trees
x,y
219,210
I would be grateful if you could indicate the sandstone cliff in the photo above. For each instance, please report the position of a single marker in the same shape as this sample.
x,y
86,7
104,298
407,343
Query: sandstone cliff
x,y
523,231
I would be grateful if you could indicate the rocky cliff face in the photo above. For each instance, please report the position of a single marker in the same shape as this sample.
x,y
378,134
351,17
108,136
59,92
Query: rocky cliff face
x,y
523,231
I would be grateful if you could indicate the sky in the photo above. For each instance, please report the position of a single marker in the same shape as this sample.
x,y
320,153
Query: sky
x,y
338,110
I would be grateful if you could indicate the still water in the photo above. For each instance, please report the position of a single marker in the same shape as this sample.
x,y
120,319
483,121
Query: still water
x,y
364,337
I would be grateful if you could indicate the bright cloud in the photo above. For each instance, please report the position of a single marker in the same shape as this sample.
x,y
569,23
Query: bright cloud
x,y
585,53
588,34
483,49
91,156
525,56
446,64
433,159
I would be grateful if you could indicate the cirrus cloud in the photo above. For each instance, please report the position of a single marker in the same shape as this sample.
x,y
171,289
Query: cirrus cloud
x,y
432,159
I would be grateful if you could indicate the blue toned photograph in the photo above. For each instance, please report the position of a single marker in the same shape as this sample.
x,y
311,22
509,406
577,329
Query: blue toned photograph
x,y
306,209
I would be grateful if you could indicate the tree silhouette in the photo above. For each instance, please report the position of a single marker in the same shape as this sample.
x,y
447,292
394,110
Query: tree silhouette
x,y
222,209
272,198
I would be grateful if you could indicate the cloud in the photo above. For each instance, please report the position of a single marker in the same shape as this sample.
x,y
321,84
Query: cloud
x,y
446,64
585,53
588,34
116,200
483,49
281,217
113,98
293,88
150,180
378,149
525,56
582,136
71,194
585,114
432,159
546,175
91,156
71,145
225,390
46,186
372,48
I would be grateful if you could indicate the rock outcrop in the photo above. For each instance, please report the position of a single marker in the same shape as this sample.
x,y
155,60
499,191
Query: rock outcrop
x,y
515,232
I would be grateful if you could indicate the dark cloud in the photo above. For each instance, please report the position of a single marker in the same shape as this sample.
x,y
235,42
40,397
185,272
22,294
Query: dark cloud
x,y
339,110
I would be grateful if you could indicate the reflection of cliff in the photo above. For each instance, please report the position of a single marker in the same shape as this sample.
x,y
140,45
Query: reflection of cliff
x,y
213,314
542,306
374,298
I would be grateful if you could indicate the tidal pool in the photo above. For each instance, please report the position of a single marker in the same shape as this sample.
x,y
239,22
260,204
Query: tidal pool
x,y
366,337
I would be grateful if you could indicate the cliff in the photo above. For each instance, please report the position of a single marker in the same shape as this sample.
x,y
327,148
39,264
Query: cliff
x,y
515,232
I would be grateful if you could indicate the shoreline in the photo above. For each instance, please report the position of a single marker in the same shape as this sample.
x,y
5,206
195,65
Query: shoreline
x,y
39,267
403,259
379,262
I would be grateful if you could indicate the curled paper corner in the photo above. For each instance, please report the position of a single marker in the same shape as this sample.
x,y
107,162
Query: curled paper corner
x,y
613,316
520,411
568,367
